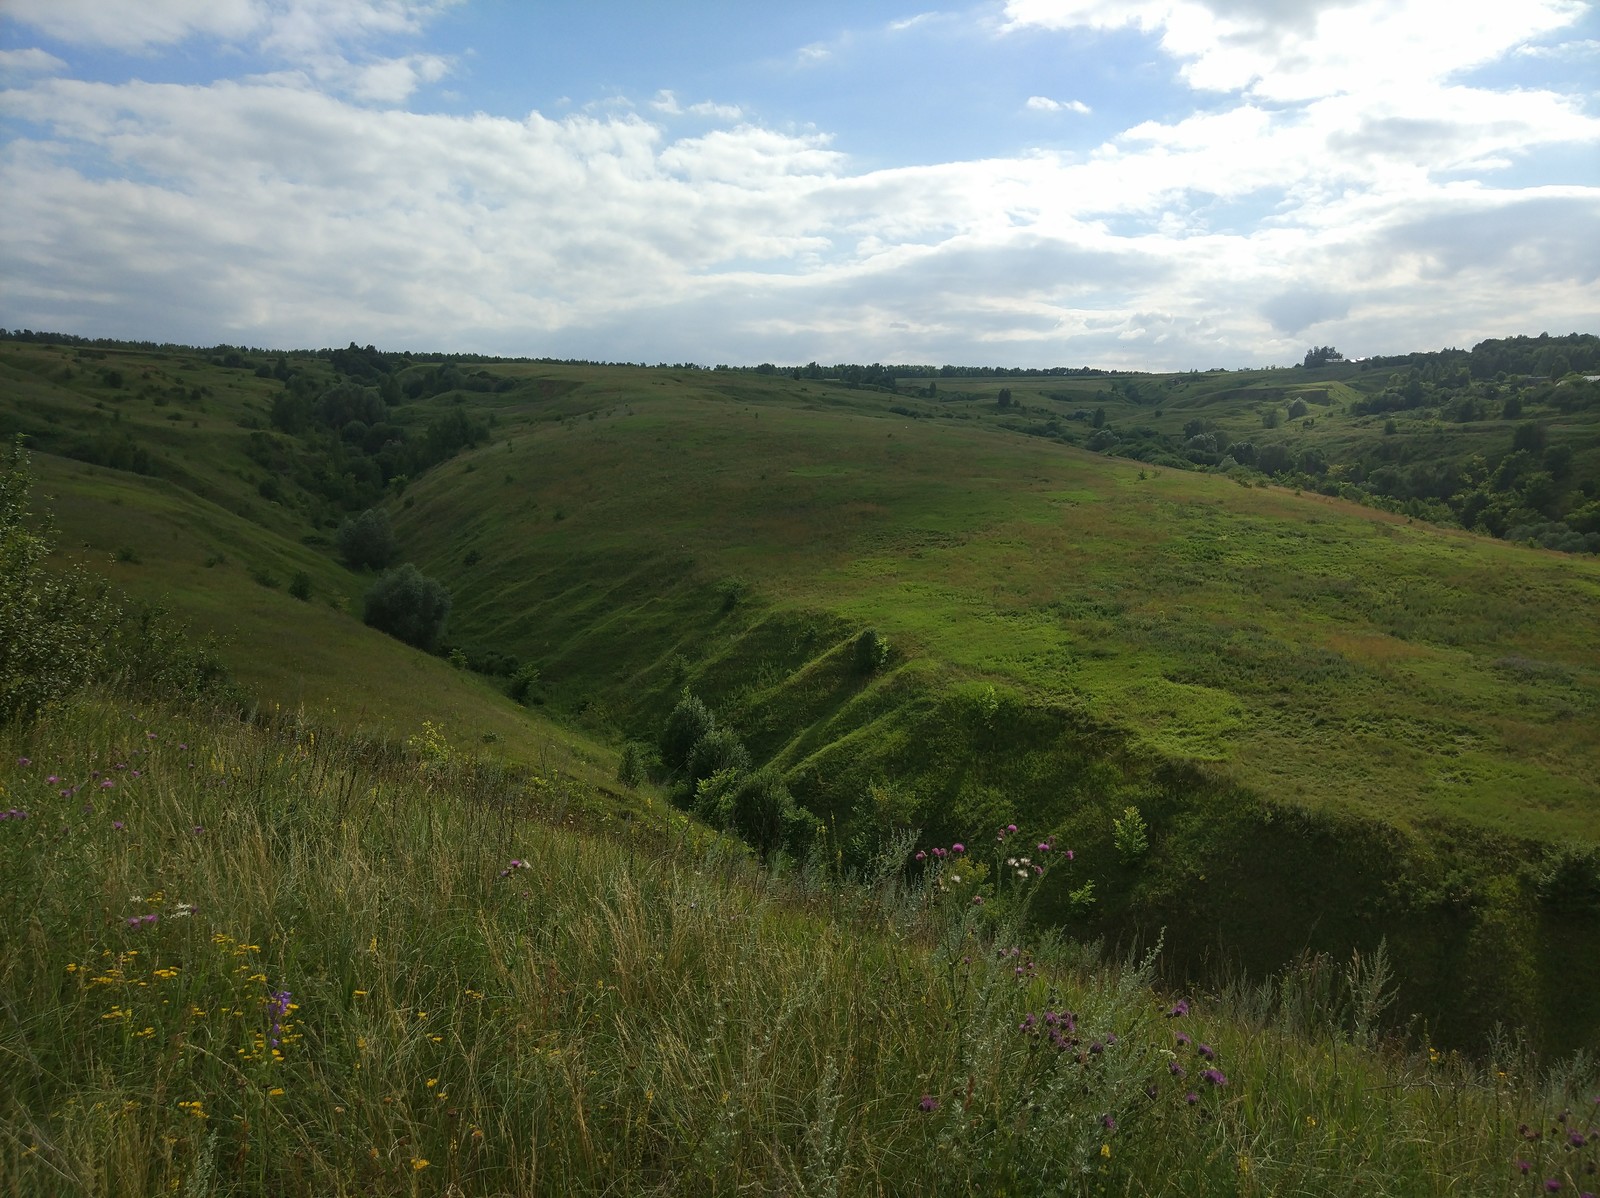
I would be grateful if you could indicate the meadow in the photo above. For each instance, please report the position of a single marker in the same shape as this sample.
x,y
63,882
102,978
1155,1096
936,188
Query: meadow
x,y
270,957
1341,727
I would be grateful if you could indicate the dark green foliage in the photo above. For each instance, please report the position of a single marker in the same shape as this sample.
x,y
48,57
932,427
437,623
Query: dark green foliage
x,y
719,749
522,683
689,722
49,622
63,630
409,606
300,586
367,541
871,652
631,764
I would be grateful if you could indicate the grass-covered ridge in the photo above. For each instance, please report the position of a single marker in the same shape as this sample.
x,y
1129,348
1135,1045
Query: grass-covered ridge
x,y
250,959
1338,723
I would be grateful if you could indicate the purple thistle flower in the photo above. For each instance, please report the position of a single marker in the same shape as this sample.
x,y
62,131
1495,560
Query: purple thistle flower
x,y
24,762
1191,1098
1107,1122
921,856
1207,1052
929,1104
958,847
1069,854
1174,1068
117,825
132,921
1043,847
1215,1076
1522,1166
1011,829
1576,1139
1179,1009
53,779
107,784
1552,1185
198,830
1183,1039
977,900
149,919
183,748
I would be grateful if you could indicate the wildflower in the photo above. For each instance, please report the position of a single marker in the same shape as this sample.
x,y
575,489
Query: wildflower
x,y
1215,1076
1043,847
1191,1098
958,847
1183,1040
1069,854
1179,1009
921,856
1576,1139
53,779
1174,1068
1011,829
1522,1166
1207,1052
977,900
419,1163
938,852
107,784
24,762
1552,1185
1107,1122
929,1104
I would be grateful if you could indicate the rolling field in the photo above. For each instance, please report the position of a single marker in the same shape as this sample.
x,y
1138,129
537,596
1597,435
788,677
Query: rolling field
x,y
1341,726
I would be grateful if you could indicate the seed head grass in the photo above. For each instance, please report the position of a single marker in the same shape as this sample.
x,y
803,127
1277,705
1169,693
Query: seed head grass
x,y
303,966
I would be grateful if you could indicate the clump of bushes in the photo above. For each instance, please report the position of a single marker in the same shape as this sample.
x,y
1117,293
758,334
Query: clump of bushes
x,y
409,606
716,780
367,541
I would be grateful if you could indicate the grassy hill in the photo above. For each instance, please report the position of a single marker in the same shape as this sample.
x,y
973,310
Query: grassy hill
x,y
1338,724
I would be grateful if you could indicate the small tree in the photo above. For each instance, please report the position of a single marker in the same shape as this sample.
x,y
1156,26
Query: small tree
x,y
367,541
720,749
1131,835
871,651
689,722
409,606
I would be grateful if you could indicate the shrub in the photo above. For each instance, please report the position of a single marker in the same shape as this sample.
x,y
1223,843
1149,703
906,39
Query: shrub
x,y
689,722
631,765
49,622
300,586
1131,835
60,630
367,541
719,749
522,682
409,606
872,651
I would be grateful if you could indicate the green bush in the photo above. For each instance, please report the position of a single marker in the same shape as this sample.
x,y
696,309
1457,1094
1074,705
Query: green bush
x,y
1131,835
300,586
409,606
719,749
63,630
872,651
689,722
367,542
51,623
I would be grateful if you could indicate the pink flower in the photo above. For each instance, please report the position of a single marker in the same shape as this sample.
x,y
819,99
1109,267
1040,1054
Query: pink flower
x,y
958,847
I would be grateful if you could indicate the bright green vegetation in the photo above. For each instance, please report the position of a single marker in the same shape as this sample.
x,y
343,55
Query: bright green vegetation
x,y
275,959
1339,724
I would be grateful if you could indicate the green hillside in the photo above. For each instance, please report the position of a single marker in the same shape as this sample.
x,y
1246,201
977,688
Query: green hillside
x,y
1338,723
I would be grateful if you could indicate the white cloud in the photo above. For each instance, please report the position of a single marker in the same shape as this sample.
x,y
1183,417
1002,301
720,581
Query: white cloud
x,y
1046,104
137,24
1297,51
314,212
29,62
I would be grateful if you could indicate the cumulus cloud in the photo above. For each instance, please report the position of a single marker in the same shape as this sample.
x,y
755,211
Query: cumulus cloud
x,y
1046,104
306,207
1297,51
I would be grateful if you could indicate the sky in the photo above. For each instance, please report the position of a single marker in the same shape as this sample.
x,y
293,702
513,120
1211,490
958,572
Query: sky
x,y
1132,184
